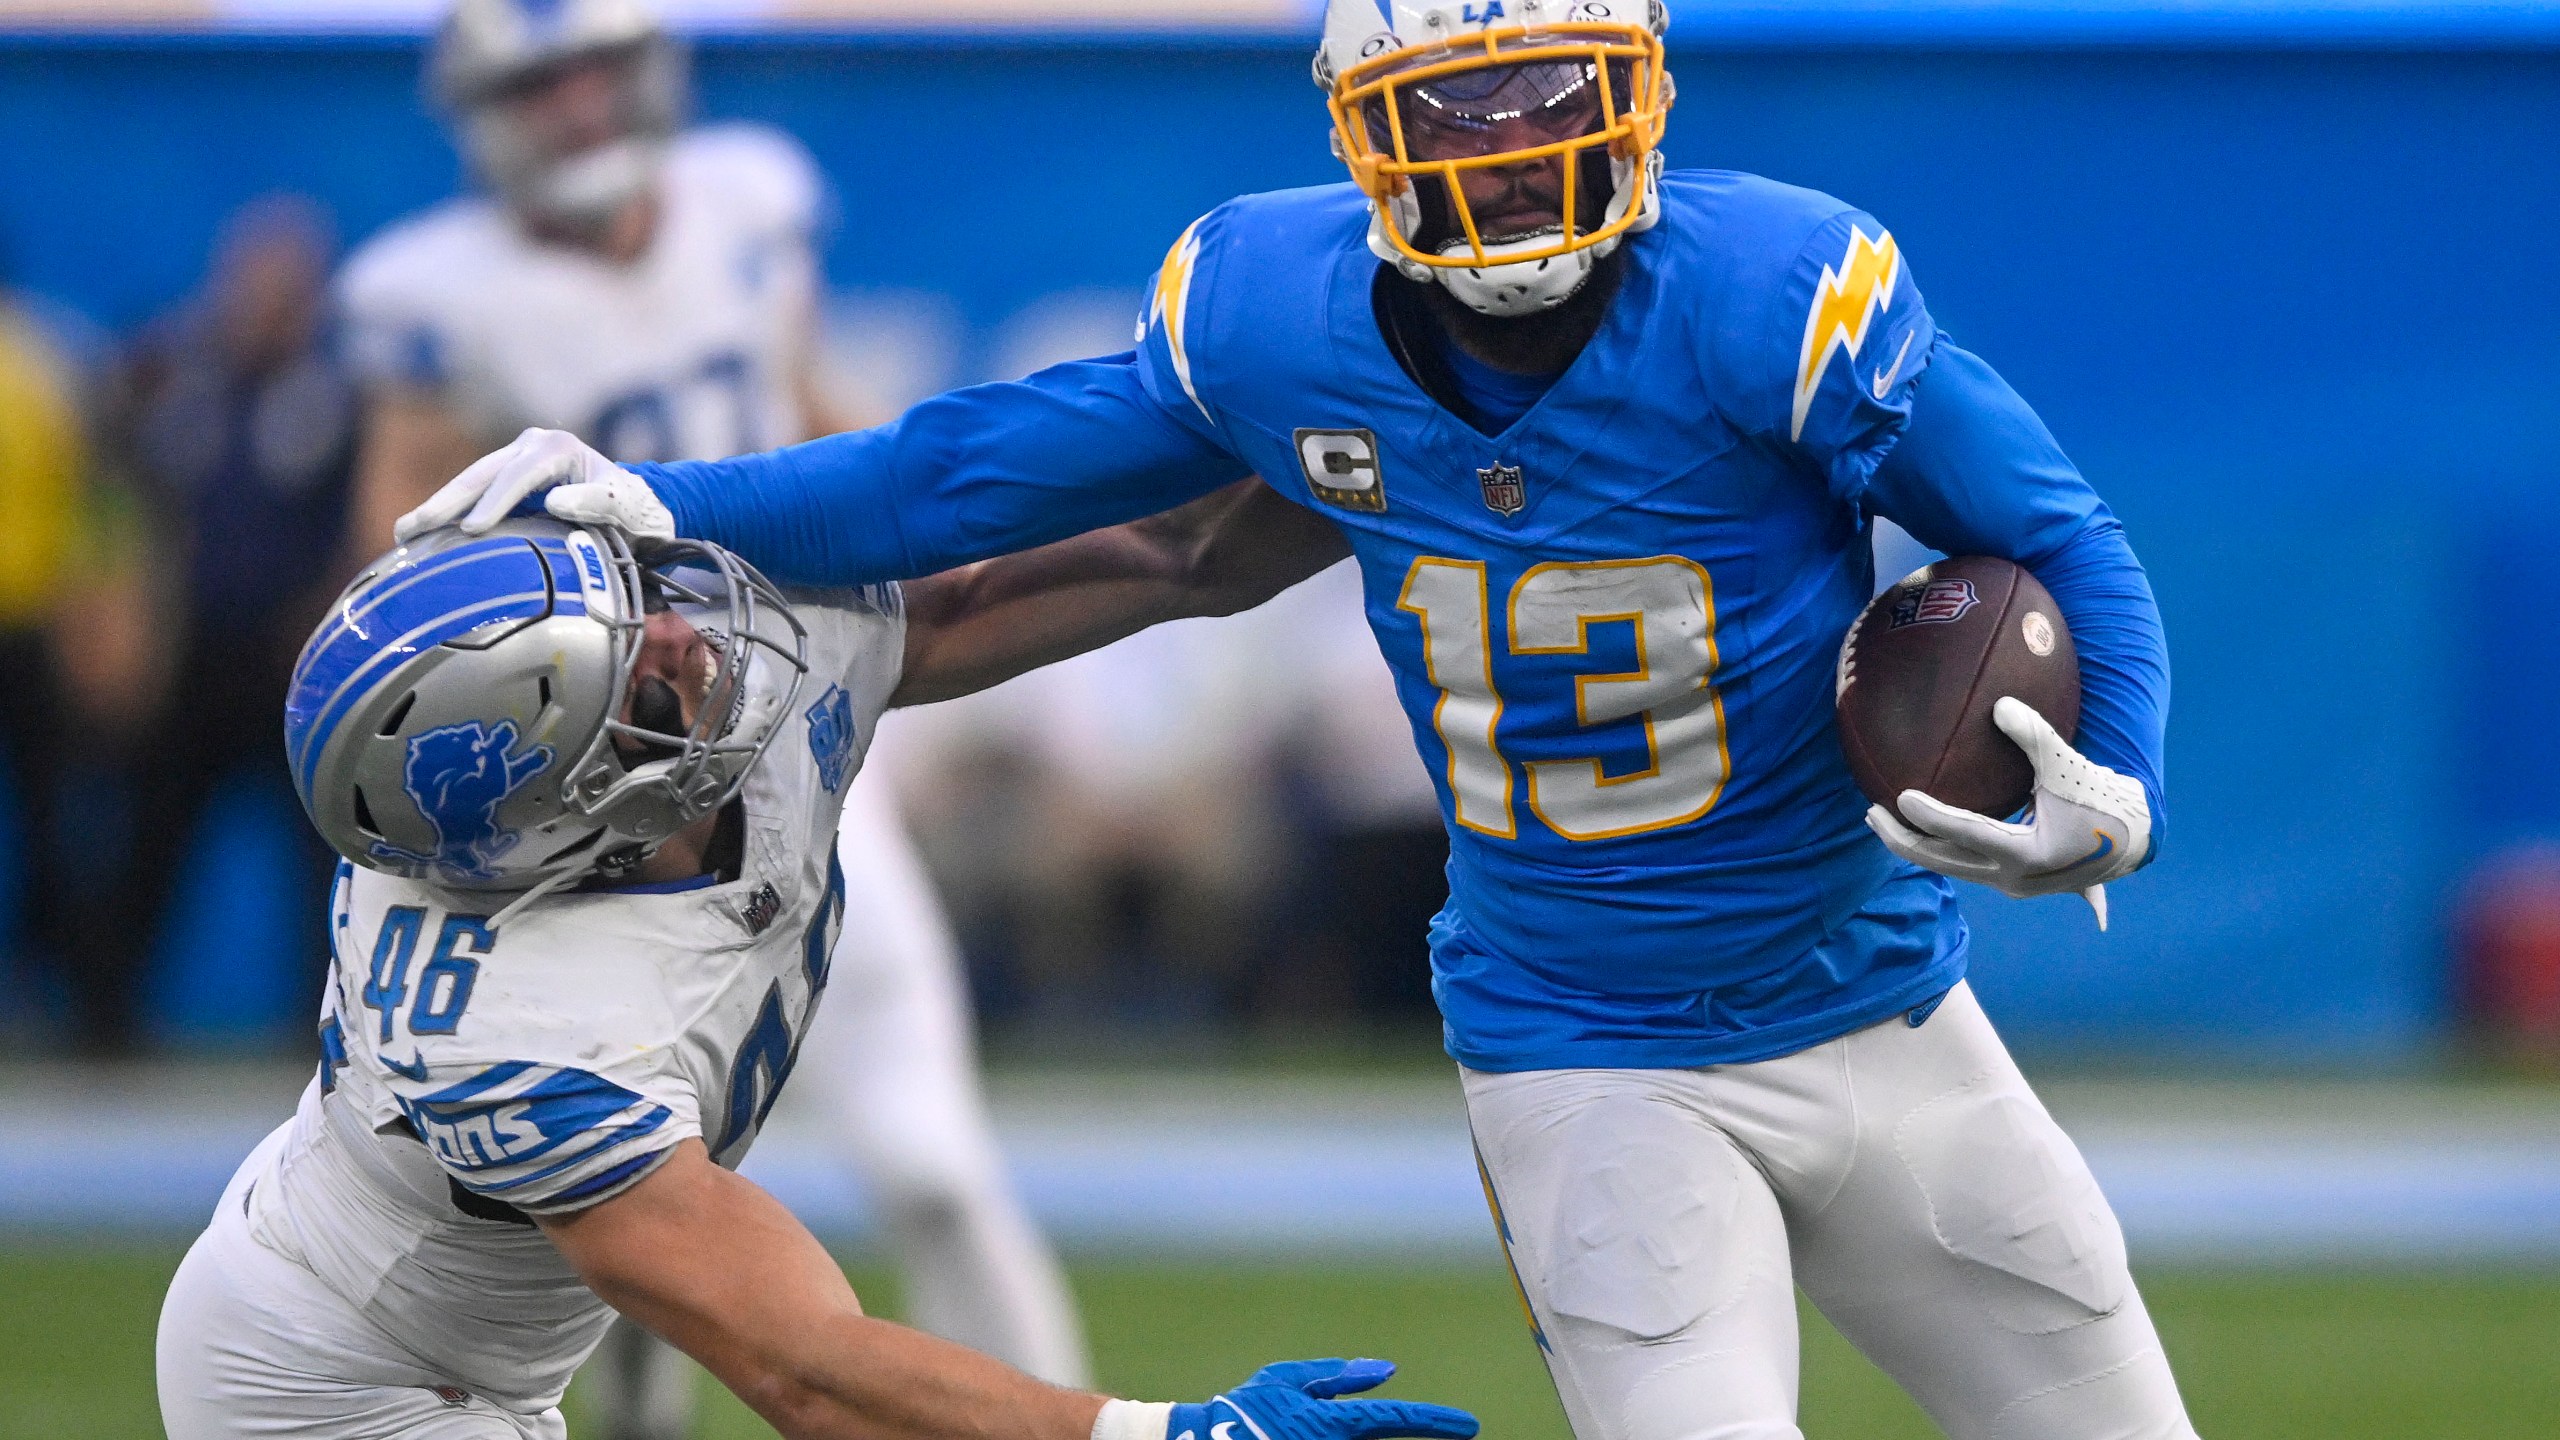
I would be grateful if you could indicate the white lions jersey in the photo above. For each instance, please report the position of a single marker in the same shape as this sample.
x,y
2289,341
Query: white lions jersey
x,y
474,1074
688,353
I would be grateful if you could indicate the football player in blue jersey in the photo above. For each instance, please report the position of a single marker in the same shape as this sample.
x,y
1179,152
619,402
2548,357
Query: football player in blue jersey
x,y
1607,443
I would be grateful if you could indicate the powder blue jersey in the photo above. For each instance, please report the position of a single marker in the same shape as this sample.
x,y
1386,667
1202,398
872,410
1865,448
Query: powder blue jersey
x,y
1613,625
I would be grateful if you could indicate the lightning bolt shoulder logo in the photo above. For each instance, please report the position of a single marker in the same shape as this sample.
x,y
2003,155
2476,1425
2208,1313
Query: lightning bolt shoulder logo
x,y
1171,306
1845,303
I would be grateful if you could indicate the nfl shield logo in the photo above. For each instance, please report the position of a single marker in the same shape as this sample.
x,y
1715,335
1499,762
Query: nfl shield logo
x,y
1503,491
1939,602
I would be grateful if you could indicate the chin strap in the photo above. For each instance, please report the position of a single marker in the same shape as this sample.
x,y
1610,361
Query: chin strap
x,y
541,887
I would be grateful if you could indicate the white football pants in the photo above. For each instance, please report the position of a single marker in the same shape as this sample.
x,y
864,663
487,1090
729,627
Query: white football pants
x,y
1660,1222
891,1061
252,1344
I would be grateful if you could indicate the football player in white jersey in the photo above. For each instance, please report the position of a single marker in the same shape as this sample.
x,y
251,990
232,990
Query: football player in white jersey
x,y
589,798
653,290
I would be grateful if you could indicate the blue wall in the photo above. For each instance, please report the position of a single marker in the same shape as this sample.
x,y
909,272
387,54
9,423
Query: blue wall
x,y
2289,308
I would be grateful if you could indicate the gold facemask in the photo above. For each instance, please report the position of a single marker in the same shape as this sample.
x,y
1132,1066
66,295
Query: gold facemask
x,y
1436,110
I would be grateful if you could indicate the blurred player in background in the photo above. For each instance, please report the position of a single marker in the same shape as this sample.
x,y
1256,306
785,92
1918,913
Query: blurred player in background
x,y
72,622
1606,442
653,289
240,427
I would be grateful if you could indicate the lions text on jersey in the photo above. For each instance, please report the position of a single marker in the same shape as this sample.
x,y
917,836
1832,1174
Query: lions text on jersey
x,y
474,1074
1612,621
689,352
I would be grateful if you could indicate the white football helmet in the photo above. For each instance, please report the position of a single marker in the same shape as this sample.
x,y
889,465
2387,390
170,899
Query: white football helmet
x,y
491,55
1425,91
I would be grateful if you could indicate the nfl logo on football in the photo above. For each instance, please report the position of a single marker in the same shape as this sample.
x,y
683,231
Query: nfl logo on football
x,y
1503,491
1940,602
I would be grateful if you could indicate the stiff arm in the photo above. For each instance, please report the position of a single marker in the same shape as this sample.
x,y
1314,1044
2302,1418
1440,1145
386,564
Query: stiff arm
x,y
981,624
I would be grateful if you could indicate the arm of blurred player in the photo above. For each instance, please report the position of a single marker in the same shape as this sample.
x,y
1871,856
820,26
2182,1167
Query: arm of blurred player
x,y
717,1267
823,407
710,1262
413,443
973,627
821,413
1976,473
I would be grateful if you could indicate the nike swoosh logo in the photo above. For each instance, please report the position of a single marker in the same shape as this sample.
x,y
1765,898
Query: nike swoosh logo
x,y
1219,1430
2106,847
416,1069
1884,378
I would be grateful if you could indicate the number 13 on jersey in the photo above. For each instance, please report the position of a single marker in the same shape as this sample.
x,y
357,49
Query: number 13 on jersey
x,y
1671,605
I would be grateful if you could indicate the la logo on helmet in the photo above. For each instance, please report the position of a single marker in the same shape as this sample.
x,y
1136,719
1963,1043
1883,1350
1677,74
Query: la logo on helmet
x,y
1492,12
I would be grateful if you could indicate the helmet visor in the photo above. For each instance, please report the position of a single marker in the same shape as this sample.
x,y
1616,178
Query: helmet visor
x,y
1492,110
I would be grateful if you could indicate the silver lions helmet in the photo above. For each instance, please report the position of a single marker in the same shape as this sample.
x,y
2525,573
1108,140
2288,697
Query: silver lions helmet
x,y
467,714
571,158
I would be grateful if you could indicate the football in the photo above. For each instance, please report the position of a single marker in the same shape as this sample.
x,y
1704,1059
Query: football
x,y
1922,668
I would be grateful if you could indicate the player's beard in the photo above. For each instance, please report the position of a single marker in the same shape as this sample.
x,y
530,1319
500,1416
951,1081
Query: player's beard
x,y
1527,205
585,192
1543,343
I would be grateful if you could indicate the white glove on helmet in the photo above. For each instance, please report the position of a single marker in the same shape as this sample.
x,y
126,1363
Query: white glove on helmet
x,y
585,489
2086,826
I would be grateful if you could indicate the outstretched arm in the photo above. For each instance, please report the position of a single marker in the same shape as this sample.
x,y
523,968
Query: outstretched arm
x,y
970,628
962,477
412,443
715,1265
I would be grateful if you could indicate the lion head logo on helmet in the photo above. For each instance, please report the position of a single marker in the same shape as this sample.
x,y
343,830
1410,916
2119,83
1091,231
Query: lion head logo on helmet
x,y
459,776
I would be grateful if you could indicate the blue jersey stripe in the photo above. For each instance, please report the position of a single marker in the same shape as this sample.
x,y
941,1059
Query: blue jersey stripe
x,y
517,1126
604,1143
598,1183
478,1085
656,887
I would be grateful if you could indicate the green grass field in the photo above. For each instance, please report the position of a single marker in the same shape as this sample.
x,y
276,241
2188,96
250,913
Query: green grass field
x,y
2276,1355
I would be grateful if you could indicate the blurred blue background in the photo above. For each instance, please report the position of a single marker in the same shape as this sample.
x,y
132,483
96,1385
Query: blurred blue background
x,y
2279,291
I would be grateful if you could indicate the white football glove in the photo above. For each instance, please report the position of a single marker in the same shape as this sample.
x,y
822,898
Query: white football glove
x,y
2086,826
585,489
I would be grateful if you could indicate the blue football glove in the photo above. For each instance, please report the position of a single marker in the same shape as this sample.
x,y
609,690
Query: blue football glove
x,y
1295,1400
